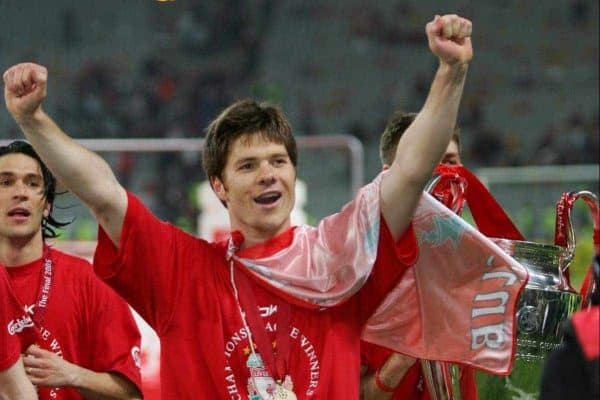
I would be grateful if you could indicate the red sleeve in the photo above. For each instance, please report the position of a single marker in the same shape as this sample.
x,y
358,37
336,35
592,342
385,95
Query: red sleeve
x,y
10,345
147,269
114,338
393,259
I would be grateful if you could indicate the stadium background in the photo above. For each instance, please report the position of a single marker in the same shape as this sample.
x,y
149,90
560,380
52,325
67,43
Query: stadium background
x,y
162,70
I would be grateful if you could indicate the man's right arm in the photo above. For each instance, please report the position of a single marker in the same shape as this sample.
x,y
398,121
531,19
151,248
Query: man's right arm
x,y
46,368
14,384
381,384
83,172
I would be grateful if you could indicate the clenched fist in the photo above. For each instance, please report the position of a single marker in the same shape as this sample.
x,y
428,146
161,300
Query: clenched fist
x,y
24,90
449,38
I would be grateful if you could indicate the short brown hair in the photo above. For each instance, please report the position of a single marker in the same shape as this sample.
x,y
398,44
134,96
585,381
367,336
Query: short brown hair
x,y
245,117
395,128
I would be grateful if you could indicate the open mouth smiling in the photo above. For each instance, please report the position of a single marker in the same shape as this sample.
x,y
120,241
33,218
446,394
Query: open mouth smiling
x,y
268,198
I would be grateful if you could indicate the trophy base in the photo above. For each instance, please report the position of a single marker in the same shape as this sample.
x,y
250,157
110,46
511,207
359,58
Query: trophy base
x,y
523,383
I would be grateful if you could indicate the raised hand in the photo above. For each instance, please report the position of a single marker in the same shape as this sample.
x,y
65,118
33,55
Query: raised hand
x,y
24,90
449,39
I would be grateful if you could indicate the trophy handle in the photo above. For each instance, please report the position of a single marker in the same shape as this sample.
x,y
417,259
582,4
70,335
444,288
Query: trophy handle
x,y
449,189
454,185
564,234
442,380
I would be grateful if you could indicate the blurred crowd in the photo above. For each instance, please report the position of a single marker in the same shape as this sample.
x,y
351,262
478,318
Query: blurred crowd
x,y
518,108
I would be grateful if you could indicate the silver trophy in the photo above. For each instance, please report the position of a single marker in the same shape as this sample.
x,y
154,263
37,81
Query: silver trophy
x,y
546,302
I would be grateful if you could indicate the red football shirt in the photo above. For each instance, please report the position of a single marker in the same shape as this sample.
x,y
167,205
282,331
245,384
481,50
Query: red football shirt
x,y
85,322
181,285
10,346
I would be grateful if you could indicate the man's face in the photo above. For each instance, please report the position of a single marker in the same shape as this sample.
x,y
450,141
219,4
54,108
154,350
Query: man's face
x,y
22,201
258,187
451,156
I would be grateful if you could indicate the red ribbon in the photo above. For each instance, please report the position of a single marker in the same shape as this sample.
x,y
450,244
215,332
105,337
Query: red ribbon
x,y
276,361
490,218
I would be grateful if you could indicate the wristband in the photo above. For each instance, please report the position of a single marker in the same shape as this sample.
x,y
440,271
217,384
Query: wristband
x,y
382,386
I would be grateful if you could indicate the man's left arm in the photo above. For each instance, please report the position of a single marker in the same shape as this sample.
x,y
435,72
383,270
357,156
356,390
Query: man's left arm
x,y
422,145
44,368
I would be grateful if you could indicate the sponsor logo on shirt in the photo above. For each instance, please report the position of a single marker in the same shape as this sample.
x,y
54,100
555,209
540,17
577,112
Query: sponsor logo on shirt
x,y
267,311
18,325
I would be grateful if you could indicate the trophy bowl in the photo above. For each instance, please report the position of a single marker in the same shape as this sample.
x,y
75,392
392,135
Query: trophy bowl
x,y
546,302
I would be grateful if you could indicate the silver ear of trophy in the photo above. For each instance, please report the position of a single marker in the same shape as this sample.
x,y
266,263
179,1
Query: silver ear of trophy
x,y
546,302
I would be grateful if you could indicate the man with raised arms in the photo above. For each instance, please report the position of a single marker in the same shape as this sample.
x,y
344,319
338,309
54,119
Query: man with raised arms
x,y
239,320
